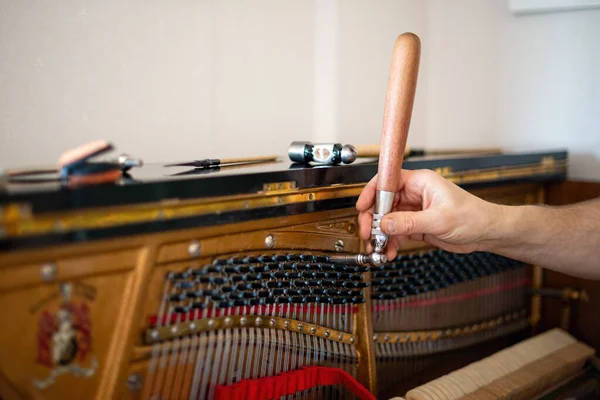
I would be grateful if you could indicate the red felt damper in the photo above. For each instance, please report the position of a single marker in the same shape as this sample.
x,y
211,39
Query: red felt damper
x,y
289,383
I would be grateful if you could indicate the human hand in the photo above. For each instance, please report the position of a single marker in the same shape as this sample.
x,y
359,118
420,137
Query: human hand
x,y
429,208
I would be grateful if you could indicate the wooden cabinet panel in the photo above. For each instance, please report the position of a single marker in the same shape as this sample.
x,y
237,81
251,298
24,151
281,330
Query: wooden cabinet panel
x,y
62,329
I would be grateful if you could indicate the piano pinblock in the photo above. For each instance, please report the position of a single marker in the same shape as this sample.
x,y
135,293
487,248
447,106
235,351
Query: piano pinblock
x,y
518,372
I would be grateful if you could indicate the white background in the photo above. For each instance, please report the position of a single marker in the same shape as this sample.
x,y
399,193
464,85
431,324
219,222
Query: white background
x,y
184,79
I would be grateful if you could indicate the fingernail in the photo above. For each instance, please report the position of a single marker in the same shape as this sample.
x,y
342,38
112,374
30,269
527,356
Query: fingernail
x,y
389,225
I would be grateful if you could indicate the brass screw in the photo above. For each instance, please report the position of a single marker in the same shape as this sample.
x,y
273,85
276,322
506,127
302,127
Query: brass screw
x,y
269,241
134,382
339,245
194,248
48,271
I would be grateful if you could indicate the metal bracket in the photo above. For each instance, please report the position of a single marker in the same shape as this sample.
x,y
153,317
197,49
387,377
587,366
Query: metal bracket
x,y
279,186
568,296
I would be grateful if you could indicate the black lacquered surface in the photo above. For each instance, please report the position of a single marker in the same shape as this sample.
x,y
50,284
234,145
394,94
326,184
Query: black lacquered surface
x,y
155,182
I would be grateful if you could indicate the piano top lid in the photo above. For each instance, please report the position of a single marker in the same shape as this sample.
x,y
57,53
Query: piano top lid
x,y
155,182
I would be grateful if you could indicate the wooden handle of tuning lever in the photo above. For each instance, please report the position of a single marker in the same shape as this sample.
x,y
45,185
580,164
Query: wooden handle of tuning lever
x,y
402,85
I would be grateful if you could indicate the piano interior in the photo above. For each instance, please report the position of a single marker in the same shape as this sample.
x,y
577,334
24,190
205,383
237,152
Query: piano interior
x,y
239,292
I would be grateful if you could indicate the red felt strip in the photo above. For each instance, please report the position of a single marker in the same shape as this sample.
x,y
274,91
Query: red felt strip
x,y
455,298
275,311
289,383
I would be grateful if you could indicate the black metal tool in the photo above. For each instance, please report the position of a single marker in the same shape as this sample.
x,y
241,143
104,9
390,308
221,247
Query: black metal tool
x,y
214,162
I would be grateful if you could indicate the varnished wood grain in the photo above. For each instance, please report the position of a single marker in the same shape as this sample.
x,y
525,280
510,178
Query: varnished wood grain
x,y
372,150
323,235
572,191
104,295
363,328
120,351
402,86
128,275
583,321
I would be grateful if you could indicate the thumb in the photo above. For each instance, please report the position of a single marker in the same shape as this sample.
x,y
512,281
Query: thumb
x,y
408,223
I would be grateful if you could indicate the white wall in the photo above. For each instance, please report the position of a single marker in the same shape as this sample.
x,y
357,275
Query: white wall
x,y
163,80
179,79
526,82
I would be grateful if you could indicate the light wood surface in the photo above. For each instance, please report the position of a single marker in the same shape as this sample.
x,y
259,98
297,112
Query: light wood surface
x,y
399,102
372,150
238,160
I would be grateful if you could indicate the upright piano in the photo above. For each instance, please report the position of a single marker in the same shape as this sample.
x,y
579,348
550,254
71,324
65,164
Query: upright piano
x,y
220,283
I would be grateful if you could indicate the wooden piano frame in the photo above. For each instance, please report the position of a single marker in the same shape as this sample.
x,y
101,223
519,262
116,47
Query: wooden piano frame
x,y
116,252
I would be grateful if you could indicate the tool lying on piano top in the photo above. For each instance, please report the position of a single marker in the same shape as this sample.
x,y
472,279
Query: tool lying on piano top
x,y
519,372
75,167
337,153
214,162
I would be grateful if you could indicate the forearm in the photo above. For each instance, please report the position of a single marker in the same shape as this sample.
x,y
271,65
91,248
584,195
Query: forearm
x,y
565,239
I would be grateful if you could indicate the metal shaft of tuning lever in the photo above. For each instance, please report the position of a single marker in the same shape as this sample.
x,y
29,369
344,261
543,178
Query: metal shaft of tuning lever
x,y
399,102
373,259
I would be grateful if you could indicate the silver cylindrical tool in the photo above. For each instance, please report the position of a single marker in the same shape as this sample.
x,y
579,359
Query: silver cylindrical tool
x,y
373,259
126,162
322,153
383,205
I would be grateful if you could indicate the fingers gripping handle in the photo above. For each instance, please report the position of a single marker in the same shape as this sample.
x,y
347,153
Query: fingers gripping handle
x,y
399,102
